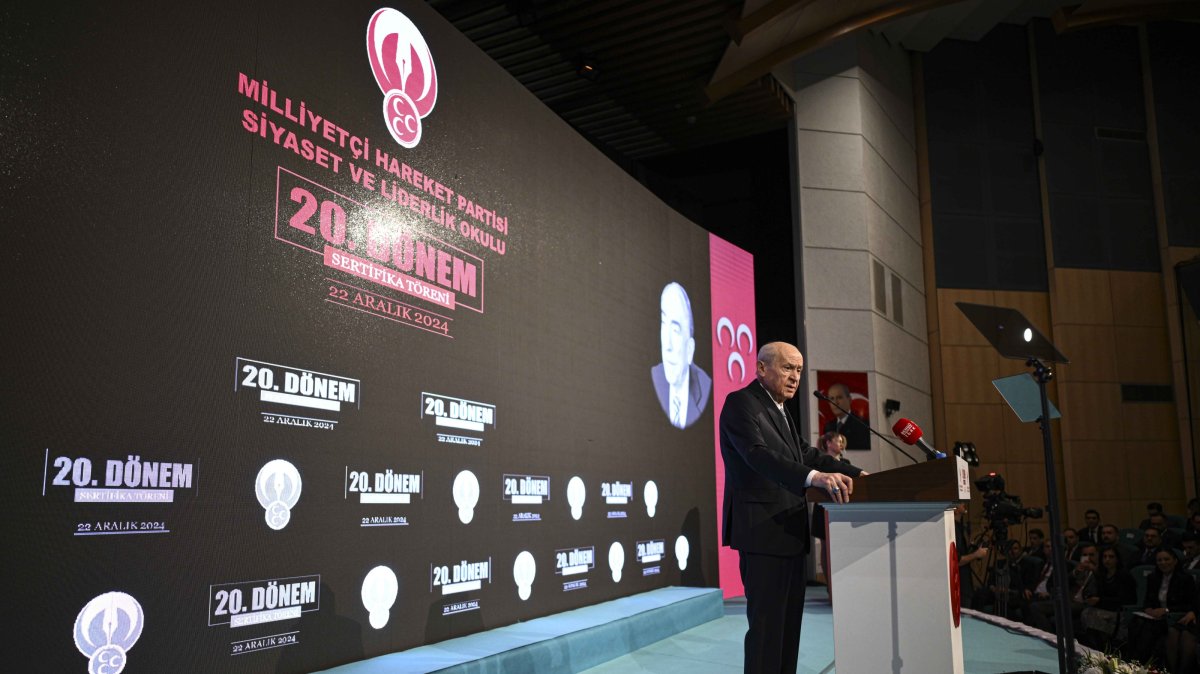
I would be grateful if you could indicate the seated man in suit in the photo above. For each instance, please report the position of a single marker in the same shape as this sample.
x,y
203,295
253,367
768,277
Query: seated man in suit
x,y
1150,546
1170,537
1110,536
1036,538
847,423
1152,508
682,387
1191,552
765,514
1090,533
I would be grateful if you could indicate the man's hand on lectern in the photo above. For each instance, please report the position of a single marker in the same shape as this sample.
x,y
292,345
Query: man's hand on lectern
x,y
837,485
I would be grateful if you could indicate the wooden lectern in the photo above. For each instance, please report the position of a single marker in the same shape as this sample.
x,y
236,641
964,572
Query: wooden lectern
x,y
893,562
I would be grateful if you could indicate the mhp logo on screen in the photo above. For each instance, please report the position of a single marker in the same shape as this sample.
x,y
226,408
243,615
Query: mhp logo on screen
x,y
405,73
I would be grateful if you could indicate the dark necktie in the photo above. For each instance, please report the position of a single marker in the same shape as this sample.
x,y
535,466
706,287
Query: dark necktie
x,y
791,431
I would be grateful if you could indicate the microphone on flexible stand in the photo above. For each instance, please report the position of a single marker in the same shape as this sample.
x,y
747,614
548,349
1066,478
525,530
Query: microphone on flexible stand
x,y
822,396
911,434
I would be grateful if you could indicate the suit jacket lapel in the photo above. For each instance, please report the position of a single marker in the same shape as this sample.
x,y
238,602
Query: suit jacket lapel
x,y
776,417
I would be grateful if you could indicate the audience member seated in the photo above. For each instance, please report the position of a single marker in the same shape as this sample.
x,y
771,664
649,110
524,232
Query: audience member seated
x,y
1152,508
1034,540
1071,548
1150,546
1193,524
1083,588
1039,580
1091,530
1115,588
1170,537
1181,642
1168,590
1110,536
1191,552
1005,591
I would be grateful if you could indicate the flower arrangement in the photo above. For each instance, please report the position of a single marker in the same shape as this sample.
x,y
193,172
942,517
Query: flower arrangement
x,y
1096,662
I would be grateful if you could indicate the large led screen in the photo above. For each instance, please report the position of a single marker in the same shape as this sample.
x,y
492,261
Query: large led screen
x,y
325,339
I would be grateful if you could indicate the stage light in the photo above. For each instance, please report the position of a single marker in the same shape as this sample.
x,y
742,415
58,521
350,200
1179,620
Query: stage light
x,y
587,68
966,450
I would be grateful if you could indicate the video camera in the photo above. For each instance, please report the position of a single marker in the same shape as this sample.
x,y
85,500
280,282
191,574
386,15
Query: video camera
x,y
999,508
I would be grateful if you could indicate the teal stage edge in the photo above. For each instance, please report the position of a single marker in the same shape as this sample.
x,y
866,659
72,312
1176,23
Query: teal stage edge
x,y
682,630
566,642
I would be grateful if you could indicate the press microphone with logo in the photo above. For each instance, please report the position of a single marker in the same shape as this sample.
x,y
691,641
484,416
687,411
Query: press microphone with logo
x,y
911,434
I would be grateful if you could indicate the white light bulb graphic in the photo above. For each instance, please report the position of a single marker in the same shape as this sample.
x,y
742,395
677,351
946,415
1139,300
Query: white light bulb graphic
x,y
278,487
379,591
616,560
650,496
576,495
105,630
682,548
524,571
466,495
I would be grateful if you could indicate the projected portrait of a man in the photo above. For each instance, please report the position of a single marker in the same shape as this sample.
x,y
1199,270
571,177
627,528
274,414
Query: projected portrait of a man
x,y
682,387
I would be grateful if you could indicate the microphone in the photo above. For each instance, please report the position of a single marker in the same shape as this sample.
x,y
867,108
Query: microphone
x,y
821,396
911,434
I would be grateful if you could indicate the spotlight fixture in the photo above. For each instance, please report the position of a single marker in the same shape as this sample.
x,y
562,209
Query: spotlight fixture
x,y
890,407
967,451
587,68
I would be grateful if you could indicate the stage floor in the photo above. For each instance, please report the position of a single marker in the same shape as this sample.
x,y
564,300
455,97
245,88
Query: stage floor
x,y
679,631
716,646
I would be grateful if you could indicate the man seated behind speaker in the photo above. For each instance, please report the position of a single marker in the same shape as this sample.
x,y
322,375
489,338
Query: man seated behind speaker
x,y
682,387
850,425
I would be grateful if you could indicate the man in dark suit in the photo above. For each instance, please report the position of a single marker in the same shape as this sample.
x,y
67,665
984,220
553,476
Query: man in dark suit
x,y
1090,533
847,423
767,468
682,387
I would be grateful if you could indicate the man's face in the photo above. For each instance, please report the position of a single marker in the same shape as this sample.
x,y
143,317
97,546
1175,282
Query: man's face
x,y
1159,521
1089,556
678,345
1190,548
781,376
1070,537
840,397
1092,520
1014,550
1035,540
1108,535
1151,538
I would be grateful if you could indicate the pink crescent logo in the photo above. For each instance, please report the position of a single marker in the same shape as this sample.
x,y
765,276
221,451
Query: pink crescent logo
x,y
403,68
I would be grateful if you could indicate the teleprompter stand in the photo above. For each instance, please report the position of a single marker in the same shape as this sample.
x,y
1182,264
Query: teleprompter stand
x,y
1013,336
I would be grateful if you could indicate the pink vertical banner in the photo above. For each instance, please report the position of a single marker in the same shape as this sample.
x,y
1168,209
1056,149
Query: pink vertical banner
x,y
735,346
